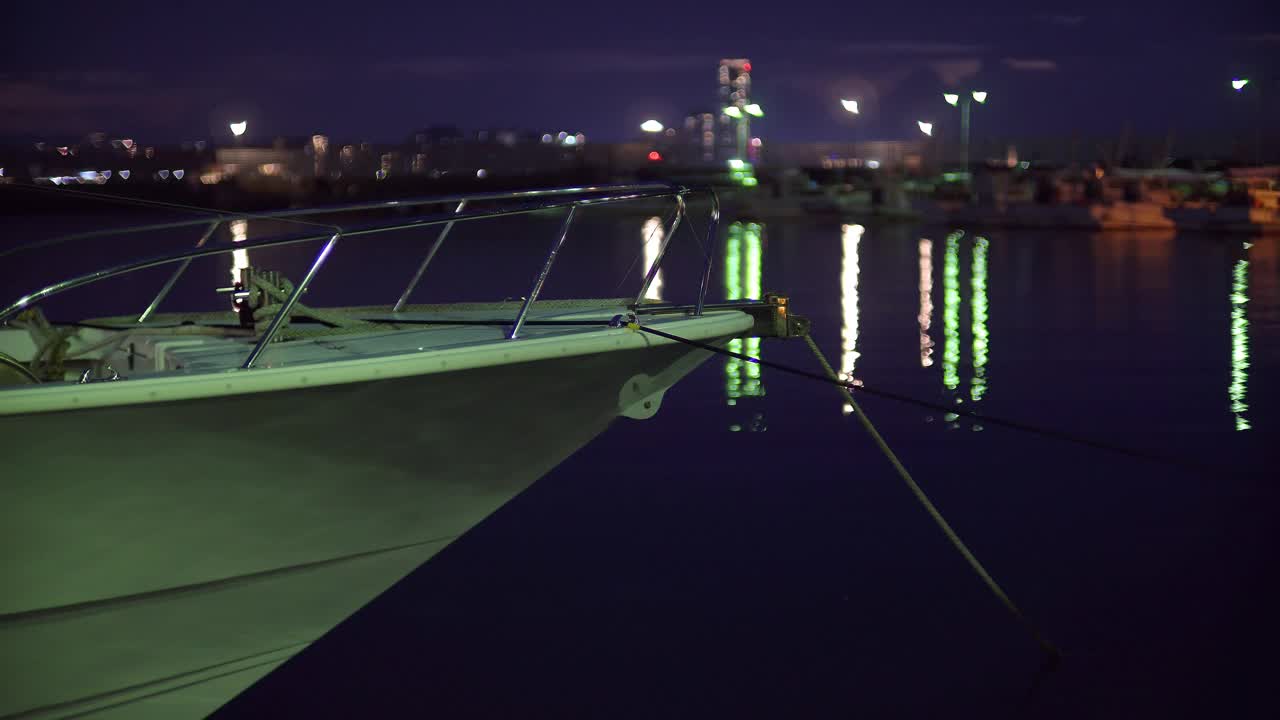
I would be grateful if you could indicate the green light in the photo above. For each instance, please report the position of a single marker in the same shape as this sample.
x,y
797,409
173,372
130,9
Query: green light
x,y
978,284
750,182
743,256
1236,391
753,257
733,291
951,312
754,110
733,111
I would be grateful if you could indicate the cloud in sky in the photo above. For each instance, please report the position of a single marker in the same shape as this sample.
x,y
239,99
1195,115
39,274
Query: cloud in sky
x,y
588,62
954,72
1063,19
1031,64
912,48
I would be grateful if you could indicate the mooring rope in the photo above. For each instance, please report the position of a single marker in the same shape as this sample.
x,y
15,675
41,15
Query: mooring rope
x,y
1054,654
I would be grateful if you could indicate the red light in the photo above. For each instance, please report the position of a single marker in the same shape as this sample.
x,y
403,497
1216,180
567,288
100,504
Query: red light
x,y
746,67
654,155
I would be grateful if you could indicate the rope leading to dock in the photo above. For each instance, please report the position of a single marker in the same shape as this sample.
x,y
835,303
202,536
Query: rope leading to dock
x,y
1050,649
1053,654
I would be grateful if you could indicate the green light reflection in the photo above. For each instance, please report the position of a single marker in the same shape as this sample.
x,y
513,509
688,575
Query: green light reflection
x,y
951,312
981,336
1239,344
743,254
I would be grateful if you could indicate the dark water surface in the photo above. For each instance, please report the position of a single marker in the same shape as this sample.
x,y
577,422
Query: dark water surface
x,y
749,551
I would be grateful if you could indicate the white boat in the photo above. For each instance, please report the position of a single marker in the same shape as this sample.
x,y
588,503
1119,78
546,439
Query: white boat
x,y
190,499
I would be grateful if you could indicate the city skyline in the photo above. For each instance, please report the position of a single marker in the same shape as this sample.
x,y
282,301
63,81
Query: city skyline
x,y
175,74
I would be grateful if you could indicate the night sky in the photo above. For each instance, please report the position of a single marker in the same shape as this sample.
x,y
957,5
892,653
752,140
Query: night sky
x,y
374,71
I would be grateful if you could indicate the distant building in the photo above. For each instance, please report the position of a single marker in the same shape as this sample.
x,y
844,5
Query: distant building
x,y
734,88
700,138
871,154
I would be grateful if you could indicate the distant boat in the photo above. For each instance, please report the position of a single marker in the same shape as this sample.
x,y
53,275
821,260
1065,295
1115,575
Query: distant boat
x,y
191,498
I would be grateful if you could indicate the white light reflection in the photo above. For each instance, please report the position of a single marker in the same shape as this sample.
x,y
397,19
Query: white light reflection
x,y
925,318
851,237
653,234
1239,344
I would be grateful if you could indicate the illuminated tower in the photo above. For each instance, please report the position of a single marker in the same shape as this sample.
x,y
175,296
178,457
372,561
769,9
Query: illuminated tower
x,y
734,79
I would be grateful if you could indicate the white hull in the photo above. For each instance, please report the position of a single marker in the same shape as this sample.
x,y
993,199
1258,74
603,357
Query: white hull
x,y
161,555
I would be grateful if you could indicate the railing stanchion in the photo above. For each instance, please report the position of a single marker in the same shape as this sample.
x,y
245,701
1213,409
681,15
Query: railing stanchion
x,y
435,247
713,227
542,276
662,250
173,279
287,307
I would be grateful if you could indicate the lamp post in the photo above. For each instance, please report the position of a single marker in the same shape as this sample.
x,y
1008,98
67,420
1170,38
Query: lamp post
x,y
238,128
743,114
962,100
852,107
1238,84
927,129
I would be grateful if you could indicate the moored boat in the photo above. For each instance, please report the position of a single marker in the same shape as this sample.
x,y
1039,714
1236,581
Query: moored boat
x,y
192,498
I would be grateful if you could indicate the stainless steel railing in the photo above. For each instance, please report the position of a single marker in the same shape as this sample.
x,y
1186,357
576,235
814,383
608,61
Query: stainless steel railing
x,y
519,203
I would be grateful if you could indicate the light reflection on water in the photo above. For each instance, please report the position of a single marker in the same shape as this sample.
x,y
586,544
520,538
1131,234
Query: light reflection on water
x,y
743,269
981,335
1239,344
851,235
925,317
653,234
951,313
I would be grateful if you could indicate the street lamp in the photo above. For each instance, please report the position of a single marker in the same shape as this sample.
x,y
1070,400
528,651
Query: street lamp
x,y
733,111
238,128
651,126
754,110
852,107
1238,84
925,127
964,102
